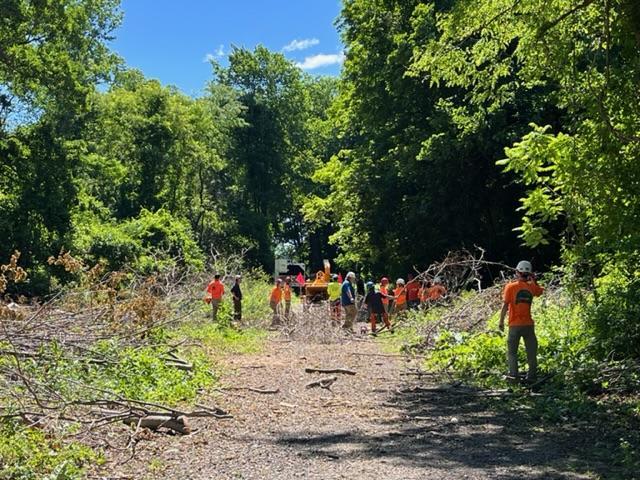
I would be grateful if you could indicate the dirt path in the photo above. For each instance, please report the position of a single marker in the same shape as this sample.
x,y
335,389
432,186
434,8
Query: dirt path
x,y
363,428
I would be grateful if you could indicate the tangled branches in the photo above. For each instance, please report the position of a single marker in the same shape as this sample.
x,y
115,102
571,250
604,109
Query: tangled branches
x,y
79,357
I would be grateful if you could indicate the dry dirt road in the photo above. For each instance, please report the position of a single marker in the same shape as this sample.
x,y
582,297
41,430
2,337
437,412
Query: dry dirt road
x,y
368,426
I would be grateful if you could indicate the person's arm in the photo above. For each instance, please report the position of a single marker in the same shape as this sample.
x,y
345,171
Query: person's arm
x,y
503,313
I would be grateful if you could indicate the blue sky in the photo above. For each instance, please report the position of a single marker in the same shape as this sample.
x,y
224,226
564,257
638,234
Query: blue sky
x,y
171,40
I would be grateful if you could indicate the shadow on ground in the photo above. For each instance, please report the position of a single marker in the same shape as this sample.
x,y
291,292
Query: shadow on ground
x,y
459,429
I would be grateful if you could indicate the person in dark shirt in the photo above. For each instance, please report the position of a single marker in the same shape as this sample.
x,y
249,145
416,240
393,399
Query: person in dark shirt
x,y
236,293
377,312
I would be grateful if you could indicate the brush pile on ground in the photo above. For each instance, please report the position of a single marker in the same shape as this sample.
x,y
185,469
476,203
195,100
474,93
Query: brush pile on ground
x,y
98,353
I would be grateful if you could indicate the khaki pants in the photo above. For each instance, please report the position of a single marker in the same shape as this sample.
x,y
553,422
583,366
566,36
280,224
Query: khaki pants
x,y
349,316
215,305
275,306
287,309
237,310
530,344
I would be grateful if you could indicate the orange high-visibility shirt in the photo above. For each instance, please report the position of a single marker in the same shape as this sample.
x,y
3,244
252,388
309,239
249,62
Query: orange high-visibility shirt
x,y
519,296
436,292
401,295
287,293
384,292
413,291
215,289
276,294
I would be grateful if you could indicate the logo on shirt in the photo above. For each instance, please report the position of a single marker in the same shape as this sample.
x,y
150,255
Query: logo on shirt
x,y
524,296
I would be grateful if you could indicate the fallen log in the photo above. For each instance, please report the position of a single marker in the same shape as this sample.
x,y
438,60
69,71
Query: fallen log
x,y
346,371
177,424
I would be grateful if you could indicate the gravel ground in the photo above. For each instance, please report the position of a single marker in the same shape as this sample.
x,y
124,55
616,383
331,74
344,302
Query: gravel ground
x,y
363,428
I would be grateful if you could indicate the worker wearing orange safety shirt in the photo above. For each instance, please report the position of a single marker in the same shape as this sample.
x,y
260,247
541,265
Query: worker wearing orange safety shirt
x,y
274,302
384,291
518,297
436,291
400,295
287,298
215,291
413,293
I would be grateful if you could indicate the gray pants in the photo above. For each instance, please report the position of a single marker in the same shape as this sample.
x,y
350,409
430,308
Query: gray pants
x,y
530,344
215,305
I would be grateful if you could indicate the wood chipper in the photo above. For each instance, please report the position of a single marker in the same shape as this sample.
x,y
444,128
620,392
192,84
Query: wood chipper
x,y
315,291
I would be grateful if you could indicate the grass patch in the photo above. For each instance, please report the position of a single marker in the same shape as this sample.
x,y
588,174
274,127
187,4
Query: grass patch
x,y
219,339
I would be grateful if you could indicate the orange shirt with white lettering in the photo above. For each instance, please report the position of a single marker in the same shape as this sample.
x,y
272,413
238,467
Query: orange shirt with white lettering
x,y
519,296
276,294
215,289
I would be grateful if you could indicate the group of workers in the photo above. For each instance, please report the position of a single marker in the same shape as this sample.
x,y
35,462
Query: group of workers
x,y
383,301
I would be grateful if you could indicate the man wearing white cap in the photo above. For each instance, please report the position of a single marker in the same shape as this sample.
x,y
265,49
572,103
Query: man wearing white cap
x,y
518,297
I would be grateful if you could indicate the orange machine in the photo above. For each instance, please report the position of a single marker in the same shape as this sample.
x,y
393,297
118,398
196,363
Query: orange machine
x,y
316,290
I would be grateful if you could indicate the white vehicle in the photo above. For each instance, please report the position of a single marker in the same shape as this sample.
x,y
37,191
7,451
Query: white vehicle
x,y
285,267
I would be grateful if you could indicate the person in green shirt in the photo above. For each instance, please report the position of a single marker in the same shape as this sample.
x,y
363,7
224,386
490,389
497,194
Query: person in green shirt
x,y
334,290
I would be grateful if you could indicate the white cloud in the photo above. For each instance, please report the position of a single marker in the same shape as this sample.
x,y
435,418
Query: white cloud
x,y
321,60
300,44
210,57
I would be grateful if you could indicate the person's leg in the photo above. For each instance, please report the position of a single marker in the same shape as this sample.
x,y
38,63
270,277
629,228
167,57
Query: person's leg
x,y
531,346
274,309
385,317
237,310
287,309
372,319
349,315
214,309
513,340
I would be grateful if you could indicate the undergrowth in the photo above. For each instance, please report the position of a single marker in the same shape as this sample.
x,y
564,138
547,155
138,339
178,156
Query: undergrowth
x,y
576,386
30,454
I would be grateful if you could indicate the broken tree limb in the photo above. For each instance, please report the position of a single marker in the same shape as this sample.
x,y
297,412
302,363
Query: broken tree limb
x,y
153,422
346,371
322,383
265,391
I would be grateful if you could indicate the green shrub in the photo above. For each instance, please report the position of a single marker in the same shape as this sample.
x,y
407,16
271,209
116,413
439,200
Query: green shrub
x,y
29,454
148,243
136,373
613,311
162,233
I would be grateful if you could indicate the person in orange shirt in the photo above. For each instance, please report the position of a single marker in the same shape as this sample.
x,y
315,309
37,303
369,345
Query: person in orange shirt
x,y
436,291
400,295
287,298
384,291
518,296
274,302
215,291
413,292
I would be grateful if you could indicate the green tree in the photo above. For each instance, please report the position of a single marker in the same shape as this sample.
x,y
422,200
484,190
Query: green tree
x,y
267,153
415,175
584,172
51,56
